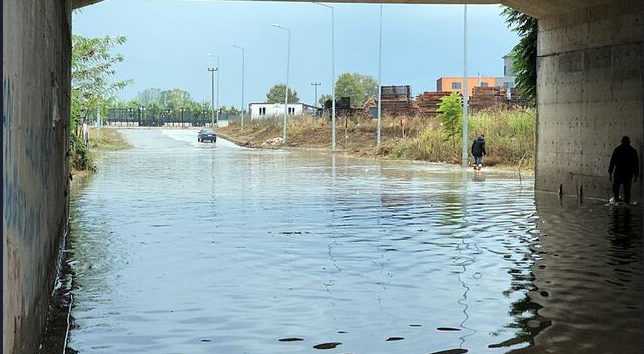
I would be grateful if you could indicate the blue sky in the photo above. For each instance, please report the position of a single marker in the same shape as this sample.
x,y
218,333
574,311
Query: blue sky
x,y
168,42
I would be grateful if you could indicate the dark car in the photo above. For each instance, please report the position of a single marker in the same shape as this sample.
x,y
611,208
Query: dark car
x,y
206,134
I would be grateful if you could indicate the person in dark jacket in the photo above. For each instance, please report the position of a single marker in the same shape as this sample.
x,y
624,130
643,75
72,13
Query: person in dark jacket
x,y
478,150
625,164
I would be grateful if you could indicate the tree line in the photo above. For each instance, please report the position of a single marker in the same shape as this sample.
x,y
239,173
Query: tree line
x,y
358,87
173,100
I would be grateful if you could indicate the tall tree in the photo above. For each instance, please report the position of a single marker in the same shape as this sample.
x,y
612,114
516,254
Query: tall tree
x,y
92,69
149,97
369,85
276,94
524,53
175,99
349,85
358,87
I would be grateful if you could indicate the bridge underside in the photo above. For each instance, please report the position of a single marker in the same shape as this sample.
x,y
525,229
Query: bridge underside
x,y
589,95
589,88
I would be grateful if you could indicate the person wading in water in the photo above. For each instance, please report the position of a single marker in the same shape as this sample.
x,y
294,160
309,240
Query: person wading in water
x,y
625,164
478,150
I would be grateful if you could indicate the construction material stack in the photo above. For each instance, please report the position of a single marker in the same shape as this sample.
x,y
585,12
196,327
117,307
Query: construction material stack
x,y
428,103
487,97
397,100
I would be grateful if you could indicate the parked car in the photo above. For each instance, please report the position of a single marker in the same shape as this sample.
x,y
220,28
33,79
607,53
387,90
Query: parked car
x,y
207,134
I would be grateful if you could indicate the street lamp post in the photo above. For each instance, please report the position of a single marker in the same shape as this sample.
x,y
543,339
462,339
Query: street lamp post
x,y
214,103
212,96
288,58
242,85
316,84
332,73
379,78
464,86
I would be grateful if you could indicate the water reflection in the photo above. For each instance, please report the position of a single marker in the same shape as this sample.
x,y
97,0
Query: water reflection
x,y
186,248
588,278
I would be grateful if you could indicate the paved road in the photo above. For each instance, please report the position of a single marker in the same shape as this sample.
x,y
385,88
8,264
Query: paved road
x,y
182,247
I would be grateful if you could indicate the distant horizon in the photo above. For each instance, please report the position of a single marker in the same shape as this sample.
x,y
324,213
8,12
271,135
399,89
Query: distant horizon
x,y
173,54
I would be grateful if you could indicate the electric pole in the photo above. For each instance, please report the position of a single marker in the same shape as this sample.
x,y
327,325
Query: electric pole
x,y
316,84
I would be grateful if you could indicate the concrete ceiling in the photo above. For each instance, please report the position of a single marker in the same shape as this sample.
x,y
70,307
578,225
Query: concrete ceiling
x,y
536,8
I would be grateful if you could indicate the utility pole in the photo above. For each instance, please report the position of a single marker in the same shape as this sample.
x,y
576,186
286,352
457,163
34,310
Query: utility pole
x,y
212,96
316,84
464,86
379,78
216,107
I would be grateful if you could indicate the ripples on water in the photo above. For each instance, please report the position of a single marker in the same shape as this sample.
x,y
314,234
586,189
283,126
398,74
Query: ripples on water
x,y
183,247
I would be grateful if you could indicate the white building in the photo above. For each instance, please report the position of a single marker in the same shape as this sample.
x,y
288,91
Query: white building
x,y
509,76
263,110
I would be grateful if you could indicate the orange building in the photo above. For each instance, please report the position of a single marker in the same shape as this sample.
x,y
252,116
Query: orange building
x,y
449,84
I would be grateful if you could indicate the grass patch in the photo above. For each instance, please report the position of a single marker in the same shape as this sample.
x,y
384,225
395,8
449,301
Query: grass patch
x,y
82,158
107,139
509,134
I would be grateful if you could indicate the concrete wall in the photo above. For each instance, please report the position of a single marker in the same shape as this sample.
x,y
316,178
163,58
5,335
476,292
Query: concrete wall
x,y
36,85
589,86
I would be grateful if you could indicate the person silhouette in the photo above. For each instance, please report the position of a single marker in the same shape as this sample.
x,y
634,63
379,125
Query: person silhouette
x,y
478,150
625,164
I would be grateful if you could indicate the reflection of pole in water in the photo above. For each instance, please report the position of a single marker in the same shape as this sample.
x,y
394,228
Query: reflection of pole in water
x,y
464,260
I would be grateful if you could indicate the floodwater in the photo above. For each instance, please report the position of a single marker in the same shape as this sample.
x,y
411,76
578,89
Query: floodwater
x,y
182,247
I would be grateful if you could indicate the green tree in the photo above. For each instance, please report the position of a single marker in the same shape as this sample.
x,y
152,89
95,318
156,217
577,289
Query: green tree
x,y
369,85
276,94
348,85
325,97
356,86
232,110
524,53
150,97
175,99
451,114
92,69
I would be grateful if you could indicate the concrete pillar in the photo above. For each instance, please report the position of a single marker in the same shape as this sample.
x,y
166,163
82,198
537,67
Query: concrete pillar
x,y
36,86
589,86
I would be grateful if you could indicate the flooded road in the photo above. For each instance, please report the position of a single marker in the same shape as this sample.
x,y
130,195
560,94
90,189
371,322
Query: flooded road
x,y
181,247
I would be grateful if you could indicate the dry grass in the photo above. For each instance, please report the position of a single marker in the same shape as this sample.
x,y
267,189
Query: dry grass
x,y
107,139
509,135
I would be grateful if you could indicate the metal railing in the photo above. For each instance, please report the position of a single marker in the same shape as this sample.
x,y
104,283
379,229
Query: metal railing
x,y
152,117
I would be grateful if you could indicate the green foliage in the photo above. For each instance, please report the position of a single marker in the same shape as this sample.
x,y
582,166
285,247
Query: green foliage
x,y
92,68
92,87
524,53
157,99
325,97
369,85
276,94
451,113
81,159
232,110
358,87
348,85
522,122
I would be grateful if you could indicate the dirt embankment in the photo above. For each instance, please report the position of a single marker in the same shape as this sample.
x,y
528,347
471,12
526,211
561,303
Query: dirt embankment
x,y
509,135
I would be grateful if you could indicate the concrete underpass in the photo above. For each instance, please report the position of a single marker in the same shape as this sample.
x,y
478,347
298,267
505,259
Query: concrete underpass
x,y
589,95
